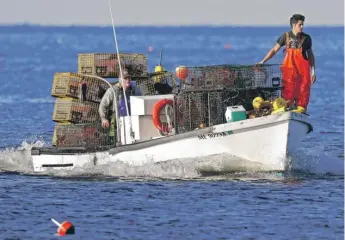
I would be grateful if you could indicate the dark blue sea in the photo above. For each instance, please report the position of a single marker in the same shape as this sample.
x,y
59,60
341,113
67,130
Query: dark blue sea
x,y
174,202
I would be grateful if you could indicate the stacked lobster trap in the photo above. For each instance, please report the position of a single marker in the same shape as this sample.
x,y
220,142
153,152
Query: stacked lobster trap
x,y
232,76
207,91
158,83
78,96
107,65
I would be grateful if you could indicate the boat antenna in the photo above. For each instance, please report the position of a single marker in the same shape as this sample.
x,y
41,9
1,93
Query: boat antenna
x,y
160,58
121,75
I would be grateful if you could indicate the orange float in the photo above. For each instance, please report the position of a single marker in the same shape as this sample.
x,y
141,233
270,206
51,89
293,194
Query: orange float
x,y
65,228
156,114
182,72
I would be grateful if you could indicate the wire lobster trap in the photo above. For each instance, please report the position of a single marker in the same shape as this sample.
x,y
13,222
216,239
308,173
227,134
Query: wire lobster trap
x,y
75,111
232,76
157,83
89,135
107,64
197,109
74,85
206,108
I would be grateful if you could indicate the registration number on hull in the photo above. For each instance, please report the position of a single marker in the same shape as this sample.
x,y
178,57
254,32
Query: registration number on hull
x,y
214,135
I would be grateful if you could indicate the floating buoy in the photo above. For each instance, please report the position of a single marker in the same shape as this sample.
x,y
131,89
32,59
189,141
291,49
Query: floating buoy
x,y
64,228
227,46
182,72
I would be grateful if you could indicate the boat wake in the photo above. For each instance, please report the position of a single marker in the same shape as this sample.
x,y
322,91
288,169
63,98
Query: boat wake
x,y
315,161
18,160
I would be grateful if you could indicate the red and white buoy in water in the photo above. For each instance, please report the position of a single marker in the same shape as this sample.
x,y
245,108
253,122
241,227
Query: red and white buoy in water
x,y
64,228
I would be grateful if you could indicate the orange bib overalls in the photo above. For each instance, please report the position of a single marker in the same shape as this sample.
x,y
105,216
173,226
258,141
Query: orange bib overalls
x,y
296,76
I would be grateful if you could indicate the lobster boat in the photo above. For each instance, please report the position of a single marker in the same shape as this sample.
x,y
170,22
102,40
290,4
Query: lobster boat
x,y
230,112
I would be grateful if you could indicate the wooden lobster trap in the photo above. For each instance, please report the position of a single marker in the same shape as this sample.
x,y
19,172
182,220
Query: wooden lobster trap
x,y
75,111
107,65
57,125
74,85
88,135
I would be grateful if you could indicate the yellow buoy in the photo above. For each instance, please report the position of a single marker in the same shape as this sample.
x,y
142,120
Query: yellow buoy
x,y
279,103
257,102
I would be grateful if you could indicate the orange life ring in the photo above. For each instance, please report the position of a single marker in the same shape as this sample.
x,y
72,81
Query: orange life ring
x,y
156,114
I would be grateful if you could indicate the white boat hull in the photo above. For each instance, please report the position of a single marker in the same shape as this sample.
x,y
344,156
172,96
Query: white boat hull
x,y
260,144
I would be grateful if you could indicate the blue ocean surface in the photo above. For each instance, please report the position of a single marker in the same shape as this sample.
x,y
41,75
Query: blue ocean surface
x,y
174,202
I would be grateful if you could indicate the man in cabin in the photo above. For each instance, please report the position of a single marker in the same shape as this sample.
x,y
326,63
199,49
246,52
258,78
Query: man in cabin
x,y
107,108
298,68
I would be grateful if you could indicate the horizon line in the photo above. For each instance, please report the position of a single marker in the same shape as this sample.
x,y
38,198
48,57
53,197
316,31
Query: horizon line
x,y
161,26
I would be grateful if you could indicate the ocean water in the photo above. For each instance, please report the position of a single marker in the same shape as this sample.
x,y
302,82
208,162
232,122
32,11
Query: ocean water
x,y
170,202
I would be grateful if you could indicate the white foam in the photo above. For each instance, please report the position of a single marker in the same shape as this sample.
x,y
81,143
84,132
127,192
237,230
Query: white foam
x,y
316,161
18,159
312,162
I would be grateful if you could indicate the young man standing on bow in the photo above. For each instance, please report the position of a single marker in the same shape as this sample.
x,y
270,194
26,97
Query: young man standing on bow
x,y
298,68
